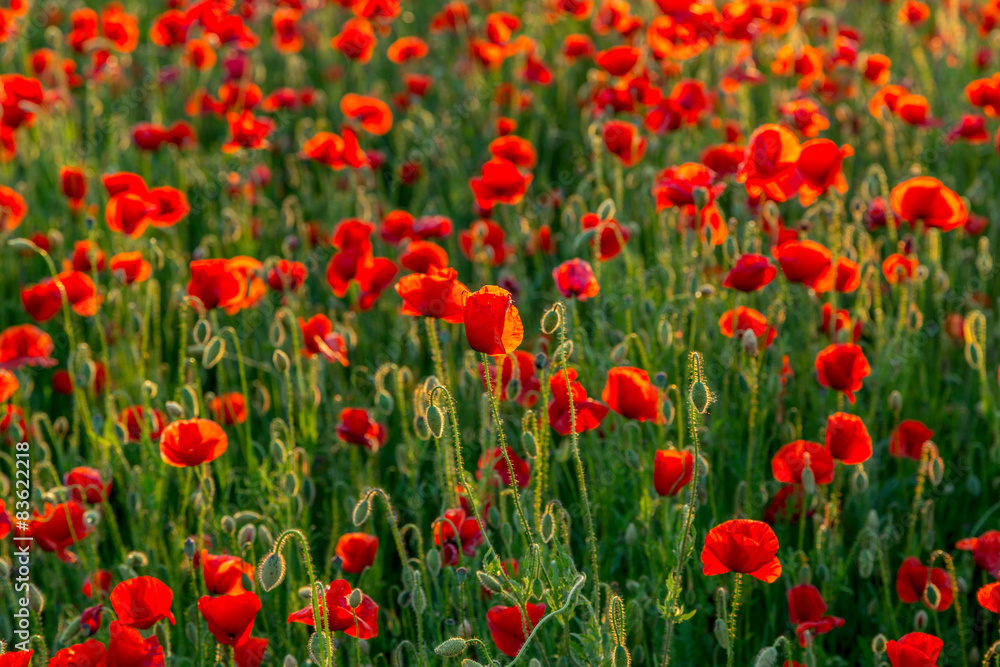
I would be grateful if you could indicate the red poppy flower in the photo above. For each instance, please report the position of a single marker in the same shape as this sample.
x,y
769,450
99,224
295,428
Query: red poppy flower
x,y
485,239
842,367
507,626
672,470
589,413
250,653
223,574
609,238
97,584
129,213
246,131
622,139
492,323
970,128
90,621
524,364
134,418
908,439
500,182
60,527
926,200
228,408
847,438
723,159
286,276
285,23
422,256
915,110
128,648
73,184
820,164
676,186
130,267
618,60
985,551
515,149
808,263
806,611
770,165
373,113
406,49
493,465
230,617
171,206
989,597
339,615
358,428
750,273
16,658
191,442
335,151
914,650
216,283
86,257
356,40
747,319
790,462
319,338
629,392
44,300
8,384
743,546
575,280
140,602
898,268
87,654
468,533
356,551
86,484
912,579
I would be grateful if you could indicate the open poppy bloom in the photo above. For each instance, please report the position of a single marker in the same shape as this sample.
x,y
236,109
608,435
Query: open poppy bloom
x,y
356,40
912,579
217,283
16,658
140,602
523,364
251,652
629,392
808,263
373,113
898,268
820,165
609,238
358,428
128,648
493,466
907,439
500,182
485,240
86,484
747,319
492,323
989,597
134,418
622,139
45,299
230,617
12,208
229,408
422,256
575,279
8,385
130,267
806,611
750,273
770,165
436,294
339,615
672,470
319,338
191,442
286,276
506,626
742,546
356,551
914,650
847,438
247,132
334,150
589,413
90,652
928,201
790,462
985,551
25,345
223,573
60,527
454,528
842,367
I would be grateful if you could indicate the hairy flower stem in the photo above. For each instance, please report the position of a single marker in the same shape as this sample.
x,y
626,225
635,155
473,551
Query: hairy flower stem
x,y
432,339
322,620
734,616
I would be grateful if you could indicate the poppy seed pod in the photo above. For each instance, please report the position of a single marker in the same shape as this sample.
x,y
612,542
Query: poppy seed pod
x,y
247,534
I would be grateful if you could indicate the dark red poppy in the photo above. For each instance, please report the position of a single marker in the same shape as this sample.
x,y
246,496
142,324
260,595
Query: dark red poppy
x,y
914,650
223,574
589,413
45,299
140,602
622,139
928,201
493,466
230,617
358,428
985,551
907,439
842,367
750,273
629,392
456,526
770,165
743,546
847,438
97,584
575,279
286,276
672,470
134,418
500,182
60,527
90,620
356,551
73,184
319,338
989,597
790,462
86,257
970,128
820,162
128,648
723,159
609,237
90,653
912,579
807,612
618,60
356,40
87,484
191,442
747,319
492,323
230,408
340,616
507,626
216,283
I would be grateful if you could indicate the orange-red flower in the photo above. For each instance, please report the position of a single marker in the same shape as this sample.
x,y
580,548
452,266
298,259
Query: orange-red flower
x,y
217,283
807,262
618,60
287,276
820,165
500,182
899,268
989,597
907,439
8,384
807,612
436,294
770,165
223,574
493,466
230,617
191,442
356,40
588,412
927,201
492,323
60,527
622,139
130,267
985,551
73,184
86,484
747,319
575,280
672,470
609,236
356,551
358,428
842,367
743,546
406,49
228,408
790,462
45,299
335,151
318,337
847,438
140,602
128,648
373,113
25,345
629,392
247,131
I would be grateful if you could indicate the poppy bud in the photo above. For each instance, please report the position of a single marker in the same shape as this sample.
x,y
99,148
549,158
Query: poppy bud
x,y
202,331
280,361
606,210
161,635
529,443
175,410
721,634
271,571
935,470
4,568
290,661
749,342
564,352
190,547
290,483
450,648
768,657
433,561
471,663
247,534
548,527
149,389
631,534
265,538
489,582
189,401
461,574
361,511
619,353
808,481
620,658
421,428
384,402
419,600
278,451
214,352
920,620
36,600
859,480
664,332
355,598
700,396
320,647
879,643
895,401
805,575
541,361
